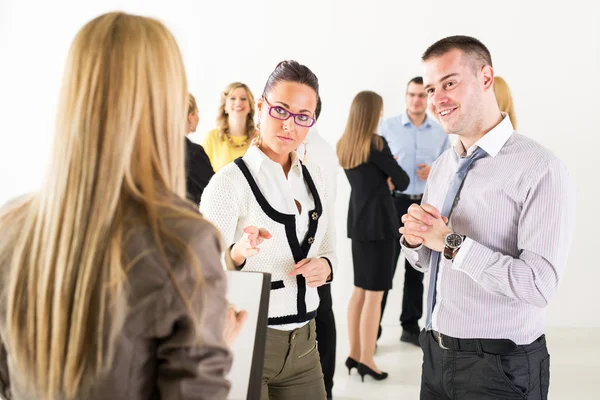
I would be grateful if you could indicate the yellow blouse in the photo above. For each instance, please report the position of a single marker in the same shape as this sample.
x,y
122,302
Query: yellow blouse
x,y
221,152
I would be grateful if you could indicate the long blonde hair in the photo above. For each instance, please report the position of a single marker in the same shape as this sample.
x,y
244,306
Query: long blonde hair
x,y
354,147
118,144
505,100
223,118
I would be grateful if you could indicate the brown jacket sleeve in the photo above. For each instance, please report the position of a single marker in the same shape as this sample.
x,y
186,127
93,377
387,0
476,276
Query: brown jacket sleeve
x,y
193,364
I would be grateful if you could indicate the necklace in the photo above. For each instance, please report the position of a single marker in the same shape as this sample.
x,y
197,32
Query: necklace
x,y
231,142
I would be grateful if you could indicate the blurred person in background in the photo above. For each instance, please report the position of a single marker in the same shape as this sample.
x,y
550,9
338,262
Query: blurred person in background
x,y
235,126
416,141
504,99
372,225
316,150
197,164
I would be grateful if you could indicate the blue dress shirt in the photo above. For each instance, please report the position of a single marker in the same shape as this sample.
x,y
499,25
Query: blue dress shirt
x,y
413,146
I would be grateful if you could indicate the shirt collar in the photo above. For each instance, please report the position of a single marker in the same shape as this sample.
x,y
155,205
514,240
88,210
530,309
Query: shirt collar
x,y
493,141
256,161
405,120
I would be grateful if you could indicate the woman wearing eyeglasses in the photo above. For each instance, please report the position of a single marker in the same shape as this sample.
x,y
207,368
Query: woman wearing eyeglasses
x,y
235,126
273,214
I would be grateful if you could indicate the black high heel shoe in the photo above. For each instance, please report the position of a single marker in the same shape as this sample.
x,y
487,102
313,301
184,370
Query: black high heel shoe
x,y
351,363
364,370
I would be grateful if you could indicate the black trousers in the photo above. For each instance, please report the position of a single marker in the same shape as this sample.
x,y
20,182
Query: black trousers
x,y
455,375
412,296
326,336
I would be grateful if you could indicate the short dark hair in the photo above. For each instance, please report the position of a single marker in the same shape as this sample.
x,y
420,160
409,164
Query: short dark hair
x,y
417,79
318,110
292,71
467,44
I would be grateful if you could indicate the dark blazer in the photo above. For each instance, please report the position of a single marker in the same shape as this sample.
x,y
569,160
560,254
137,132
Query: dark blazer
x,y
198,170
372,214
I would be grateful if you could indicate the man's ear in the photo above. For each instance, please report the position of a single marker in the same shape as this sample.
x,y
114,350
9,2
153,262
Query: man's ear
x,y
487,74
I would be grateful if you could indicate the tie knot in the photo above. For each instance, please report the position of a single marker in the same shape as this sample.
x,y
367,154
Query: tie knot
x,y
478,153
464,163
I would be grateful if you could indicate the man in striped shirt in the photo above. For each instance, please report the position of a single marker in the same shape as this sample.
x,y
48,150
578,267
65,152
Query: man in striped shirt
x,y
497,261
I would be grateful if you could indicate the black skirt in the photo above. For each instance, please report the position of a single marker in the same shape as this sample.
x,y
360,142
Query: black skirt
x,y
373,263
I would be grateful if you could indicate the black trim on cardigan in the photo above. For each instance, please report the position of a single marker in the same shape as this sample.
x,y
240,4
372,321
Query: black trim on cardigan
x,y
292,319
330,267
238,267
277,285
299,251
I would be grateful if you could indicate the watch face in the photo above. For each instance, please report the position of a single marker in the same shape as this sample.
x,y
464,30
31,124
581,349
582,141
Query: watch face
x,y
454,240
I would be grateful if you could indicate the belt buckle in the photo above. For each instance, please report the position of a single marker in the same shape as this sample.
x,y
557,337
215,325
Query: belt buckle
x,y
439,340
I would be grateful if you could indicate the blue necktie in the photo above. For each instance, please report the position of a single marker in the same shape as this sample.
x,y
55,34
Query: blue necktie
x,y
463,167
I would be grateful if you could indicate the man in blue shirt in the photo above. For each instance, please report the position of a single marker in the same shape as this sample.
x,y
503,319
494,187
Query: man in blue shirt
x,y
416,141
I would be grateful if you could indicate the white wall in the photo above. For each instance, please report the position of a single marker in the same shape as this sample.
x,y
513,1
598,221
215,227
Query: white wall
x,y
550,55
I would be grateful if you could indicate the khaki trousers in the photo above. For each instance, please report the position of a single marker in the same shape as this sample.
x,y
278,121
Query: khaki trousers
x,y
292,368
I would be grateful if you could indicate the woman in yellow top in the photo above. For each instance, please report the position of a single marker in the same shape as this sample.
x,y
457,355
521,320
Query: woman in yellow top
x,y
235,126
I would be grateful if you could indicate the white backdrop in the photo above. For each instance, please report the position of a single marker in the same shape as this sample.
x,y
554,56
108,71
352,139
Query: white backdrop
x,y
549,54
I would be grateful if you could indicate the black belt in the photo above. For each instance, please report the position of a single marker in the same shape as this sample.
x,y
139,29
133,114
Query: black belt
x,y
490,346
415,197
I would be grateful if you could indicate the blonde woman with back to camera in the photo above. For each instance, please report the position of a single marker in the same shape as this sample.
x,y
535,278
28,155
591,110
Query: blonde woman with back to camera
x,y
235,126
113,286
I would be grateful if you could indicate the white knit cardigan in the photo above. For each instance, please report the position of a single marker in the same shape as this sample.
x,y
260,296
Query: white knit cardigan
x,y
233,201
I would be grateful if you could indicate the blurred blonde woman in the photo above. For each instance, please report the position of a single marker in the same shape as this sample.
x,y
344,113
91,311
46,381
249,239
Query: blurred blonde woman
x,y
235,126
505,100
372,225
112,285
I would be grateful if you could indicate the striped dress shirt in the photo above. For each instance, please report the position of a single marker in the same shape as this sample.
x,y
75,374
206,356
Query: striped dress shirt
x,y
517,210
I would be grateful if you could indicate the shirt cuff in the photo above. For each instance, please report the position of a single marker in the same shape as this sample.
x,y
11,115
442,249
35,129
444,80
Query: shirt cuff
x,y
411,252
330,267
472,259
407,247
